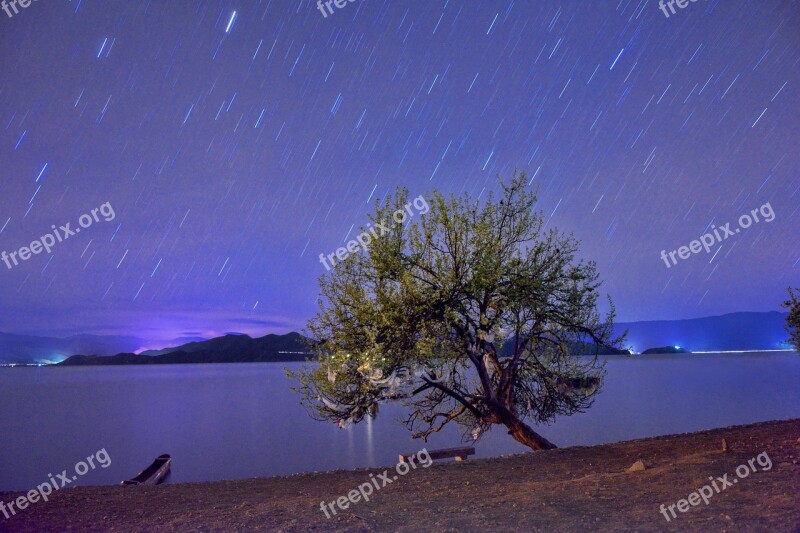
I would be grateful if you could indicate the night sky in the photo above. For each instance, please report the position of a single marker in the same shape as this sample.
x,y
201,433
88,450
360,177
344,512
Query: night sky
x,y
236,141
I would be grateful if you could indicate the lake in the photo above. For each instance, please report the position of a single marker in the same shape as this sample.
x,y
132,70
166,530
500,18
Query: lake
x,y
241,420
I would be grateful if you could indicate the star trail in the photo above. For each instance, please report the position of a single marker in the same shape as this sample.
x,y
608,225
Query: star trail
x,y
238,140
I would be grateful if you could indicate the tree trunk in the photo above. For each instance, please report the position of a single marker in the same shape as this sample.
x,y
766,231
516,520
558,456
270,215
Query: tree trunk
x,y
520,431
524,434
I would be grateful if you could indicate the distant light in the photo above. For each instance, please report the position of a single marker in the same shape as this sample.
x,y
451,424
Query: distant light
x,y
677,347
230,22
744,351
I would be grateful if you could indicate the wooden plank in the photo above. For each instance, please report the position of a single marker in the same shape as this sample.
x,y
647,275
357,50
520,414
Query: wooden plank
x,y
446,453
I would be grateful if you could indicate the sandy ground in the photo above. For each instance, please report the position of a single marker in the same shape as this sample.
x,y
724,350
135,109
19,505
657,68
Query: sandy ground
x,y
570,489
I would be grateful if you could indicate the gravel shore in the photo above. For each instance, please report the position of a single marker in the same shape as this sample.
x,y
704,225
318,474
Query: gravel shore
x,y
569,489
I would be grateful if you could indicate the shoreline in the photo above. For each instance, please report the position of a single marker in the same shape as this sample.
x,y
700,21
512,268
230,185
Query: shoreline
x,y
582,487
635,355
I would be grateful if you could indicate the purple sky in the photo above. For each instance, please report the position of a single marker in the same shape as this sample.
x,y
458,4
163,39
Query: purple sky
x,y
235,148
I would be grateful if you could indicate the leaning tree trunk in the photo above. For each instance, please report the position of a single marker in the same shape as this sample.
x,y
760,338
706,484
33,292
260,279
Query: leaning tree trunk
x,y
520,431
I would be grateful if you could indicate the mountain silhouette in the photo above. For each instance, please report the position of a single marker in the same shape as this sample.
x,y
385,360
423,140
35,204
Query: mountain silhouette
x,y
226,349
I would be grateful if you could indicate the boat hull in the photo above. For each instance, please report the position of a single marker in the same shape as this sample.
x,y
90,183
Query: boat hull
x,y
154,474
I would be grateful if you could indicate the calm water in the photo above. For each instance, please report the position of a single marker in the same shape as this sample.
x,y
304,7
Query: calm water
x,y
240,421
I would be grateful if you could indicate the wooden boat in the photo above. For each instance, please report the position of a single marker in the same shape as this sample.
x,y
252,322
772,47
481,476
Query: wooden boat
x,y
153,474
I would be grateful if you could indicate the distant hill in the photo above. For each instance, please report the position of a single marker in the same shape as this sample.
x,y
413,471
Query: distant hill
x,y
31,349
291,342
575,348
585,348
665,349
226,349
734,331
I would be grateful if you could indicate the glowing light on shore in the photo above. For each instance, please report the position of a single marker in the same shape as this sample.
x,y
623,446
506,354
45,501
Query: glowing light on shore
x,y
744,351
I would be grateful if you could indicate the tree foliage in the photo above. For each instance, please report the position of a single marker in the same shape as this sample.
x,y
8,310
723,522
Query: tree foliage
x,y
467,315
793,320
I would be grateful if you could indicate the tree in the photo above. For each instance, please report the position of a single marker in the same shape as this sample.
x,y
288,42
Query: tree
x,y
467,316
793,320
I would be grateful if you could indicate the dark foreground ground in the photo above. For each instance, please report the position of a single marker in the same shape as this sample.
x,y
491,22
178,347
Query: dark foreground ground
x,y
572,489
